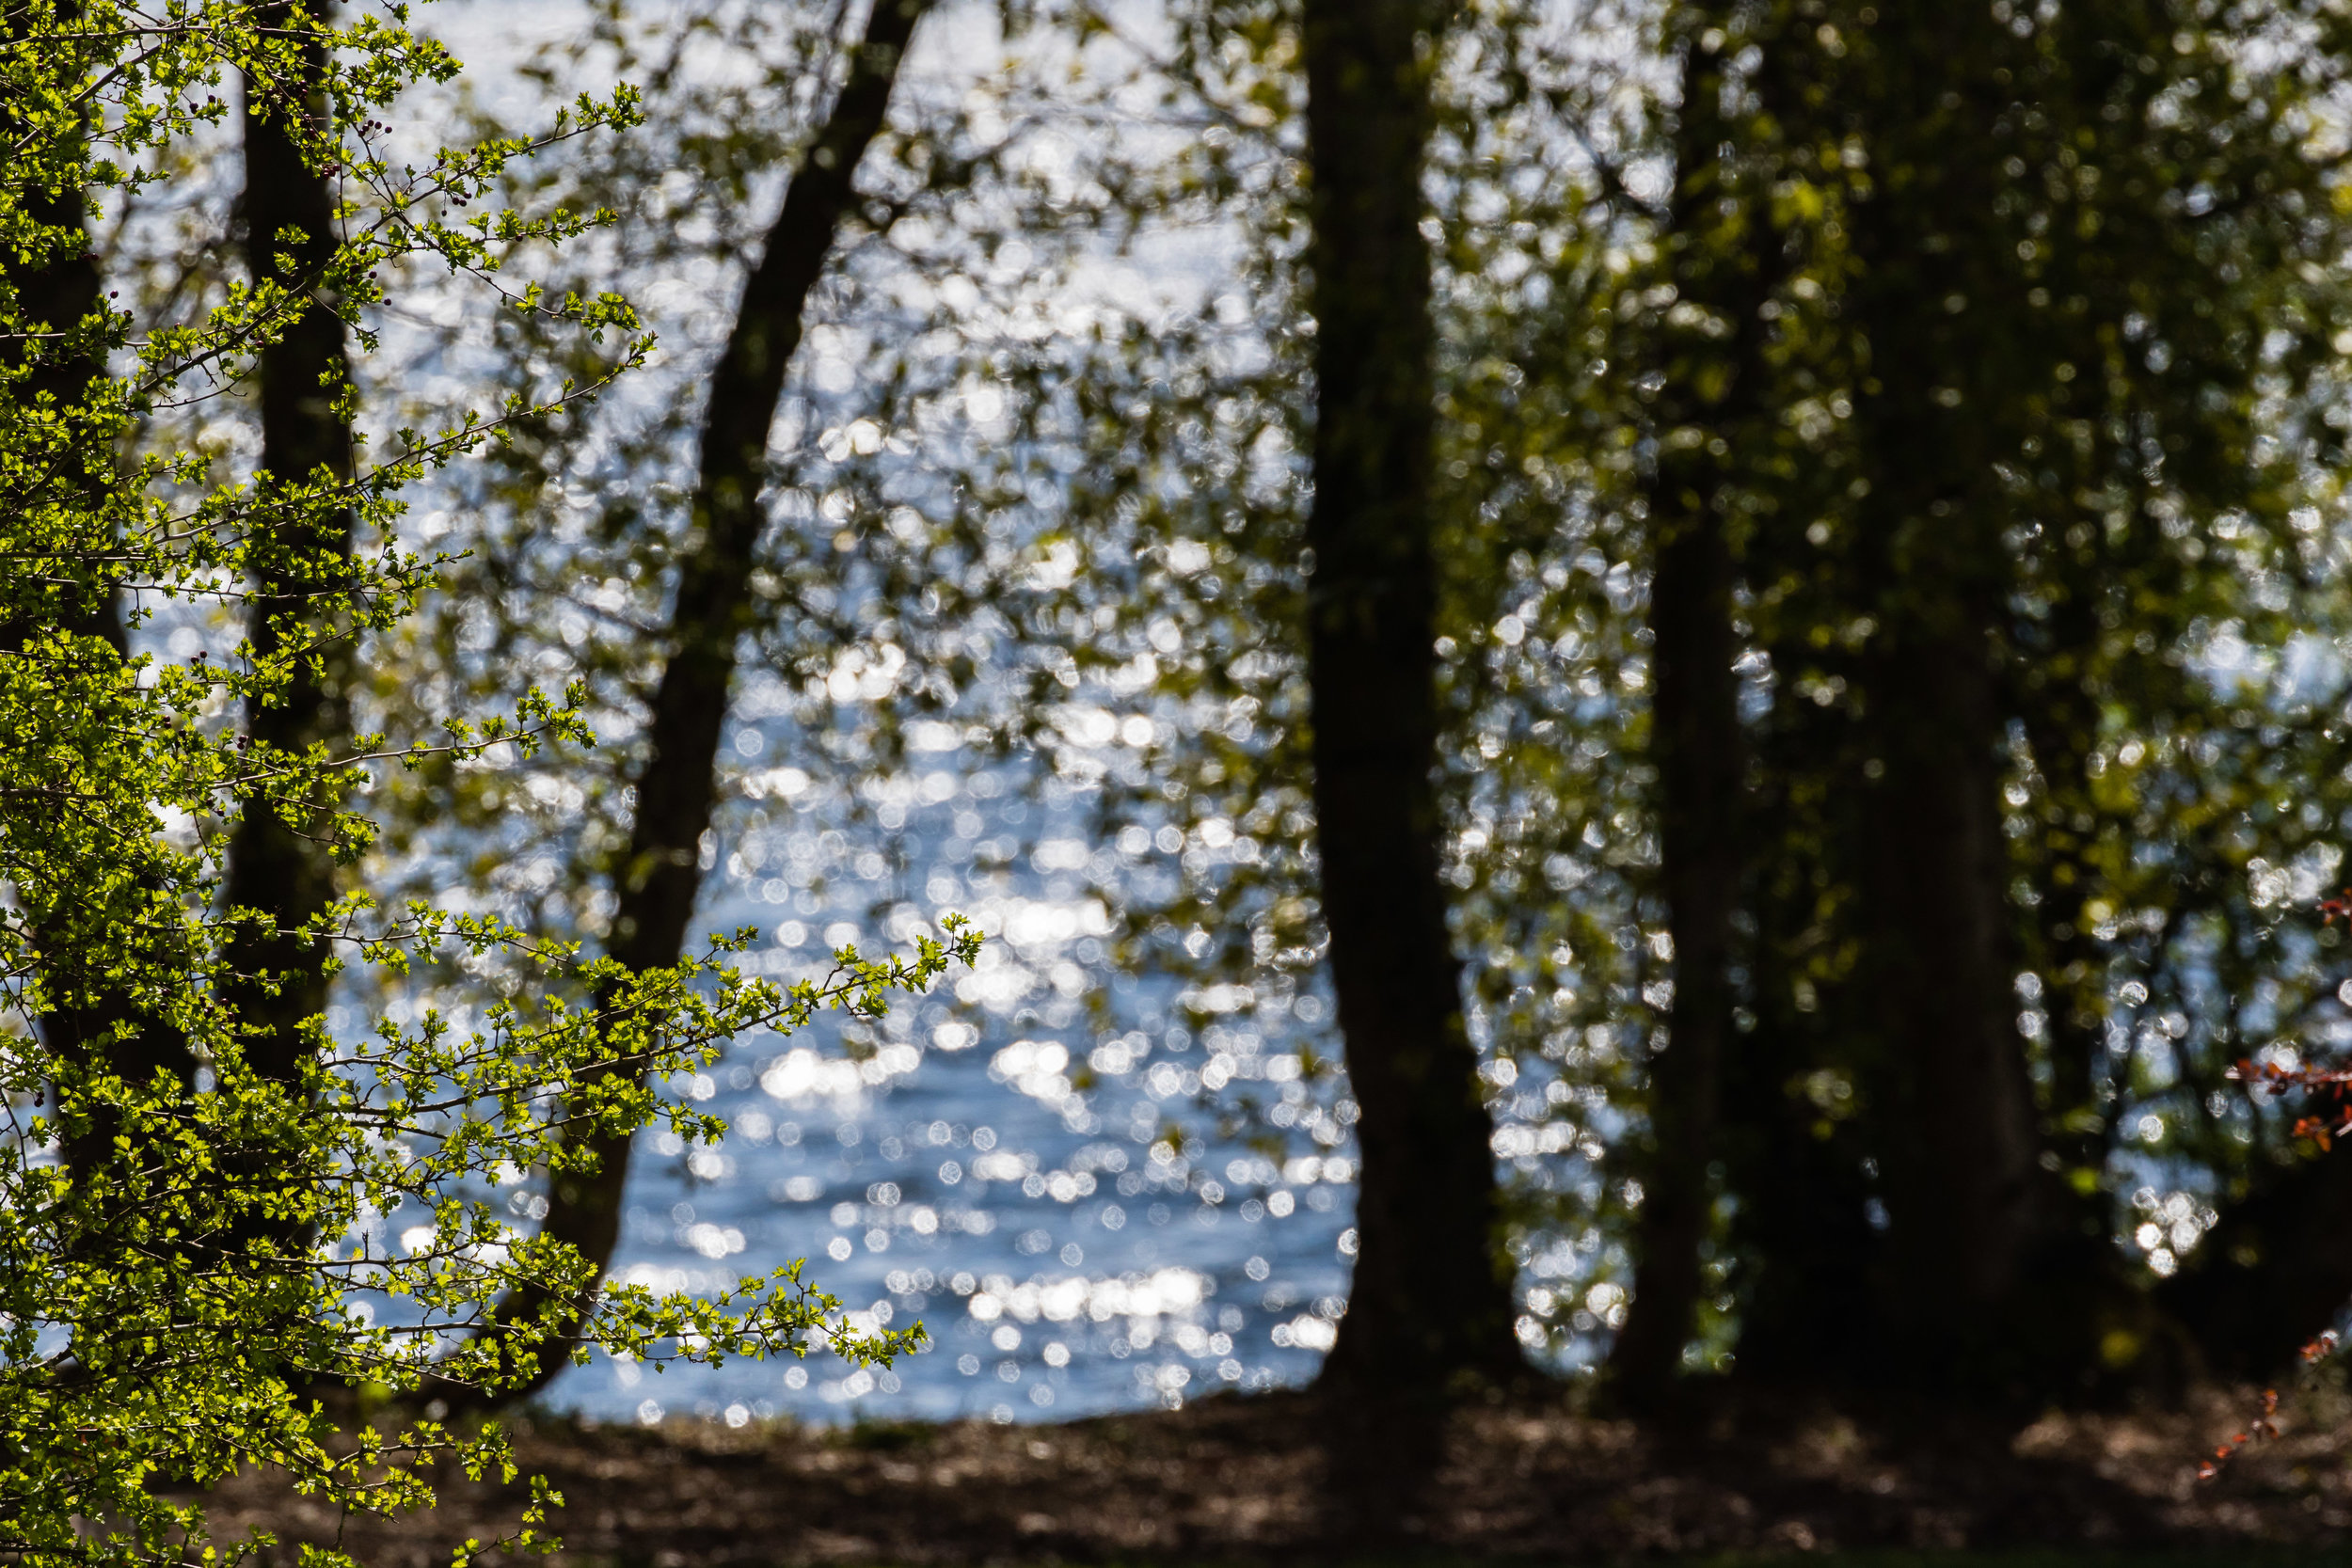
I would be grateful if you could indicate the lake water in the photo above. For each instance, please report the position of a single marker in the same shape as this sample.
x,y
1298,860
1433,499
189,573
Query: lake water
x,y
996,1166
1059,1269
1063,1259
989,1167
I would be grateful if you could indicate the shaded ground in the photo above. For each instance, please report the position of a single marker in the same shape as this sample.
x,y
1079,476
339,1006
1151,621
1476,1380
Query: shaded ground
x,y
1232,1479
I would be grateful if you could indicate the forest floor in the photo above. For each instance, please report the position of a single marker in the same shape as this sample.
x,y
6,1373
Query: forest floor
x,y
1241,1480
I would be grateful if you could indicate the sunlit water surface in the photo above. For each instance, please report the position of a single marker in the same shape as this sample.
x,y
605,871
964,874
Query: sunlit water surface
x,y
996,1165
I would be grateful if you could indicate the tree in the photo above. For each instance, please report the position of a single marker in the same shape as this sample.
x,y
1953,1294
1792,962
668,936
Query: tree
x,y
1166,588
657,879
1293,642
166,1309
1432,1302
280,862
1920,626
1721,251
929,551
1985,583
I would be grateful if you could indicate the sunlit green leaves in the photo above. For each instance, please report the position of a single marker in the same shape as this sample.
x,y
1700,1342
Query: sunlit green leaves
x,y
193,1251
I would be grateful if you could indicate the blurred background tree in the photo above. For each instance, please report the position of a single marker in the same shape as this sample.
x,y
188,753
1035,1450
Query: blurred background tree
x,y
2045,313
1885,580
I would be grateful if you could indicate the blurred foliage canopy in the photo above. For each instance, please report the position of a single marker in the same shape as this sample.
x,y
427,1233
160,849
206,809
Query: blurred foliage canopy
x,y
1990,358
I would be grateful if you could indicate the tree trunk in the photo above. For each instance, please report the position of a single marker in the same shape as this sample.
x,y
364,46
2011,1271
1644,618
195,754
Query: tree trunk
x,y
2056,694
1431,1300
58,297
1959,1136
1807,1251
281,864
657,883
1696,739
1960,1163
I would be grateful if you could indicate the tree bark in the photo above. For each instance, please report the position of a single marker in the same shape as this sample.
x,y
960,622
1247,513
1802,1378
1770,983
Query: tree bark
x,y
657,883
281,864
1696,739
1962,1171
1960,1139
58,296
1431,1300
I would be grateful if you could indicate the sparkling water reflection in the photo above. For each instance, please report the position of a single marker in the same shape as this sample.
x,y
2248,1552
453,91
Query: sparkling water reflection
x,y
996,1162
1059,1268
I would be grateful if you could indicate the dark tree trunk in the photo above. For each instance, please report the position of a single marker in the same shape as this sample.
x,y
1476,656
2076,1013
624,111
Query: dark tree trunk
x,y
1959,1131
281,865
1695,743
1909,1214
1431,1300
2061,722
2056,697
1961,1156
56,296
1807,1251
1890,1105
657,883
1696,739
59,297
